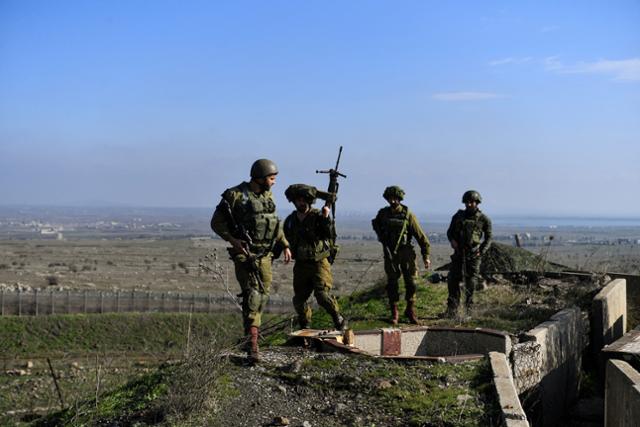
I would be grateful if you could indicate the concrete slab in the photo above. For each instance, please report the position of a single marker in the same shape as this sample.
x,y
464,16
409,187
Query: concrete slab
x,y
426,341
558,358
626,348
370,343
633,286
457,341
608,317
622,395
505,389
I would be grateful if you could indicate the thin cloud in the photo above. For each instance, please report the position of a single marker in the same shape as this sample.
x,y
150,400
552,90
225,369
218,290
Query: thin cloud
x,y
509,60
465,96
622,70
549,29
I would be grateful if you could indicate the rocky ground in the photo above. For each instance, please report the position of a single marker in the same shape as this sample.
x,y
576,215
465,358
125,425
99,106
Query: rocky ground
x,y
299,387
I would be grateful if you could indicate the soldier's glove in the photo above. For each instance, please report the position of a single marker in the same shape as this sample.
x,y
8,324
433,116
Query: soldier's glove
x,y
427,263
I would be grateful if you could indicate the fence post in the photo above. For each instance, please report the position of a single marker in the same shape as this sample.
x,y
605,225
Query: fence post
x,y
1,302
179,301
84,302
162,302
51,300
193,302
132,306
68,301
101,302
148,301
208,303
118,301
35,296
19,302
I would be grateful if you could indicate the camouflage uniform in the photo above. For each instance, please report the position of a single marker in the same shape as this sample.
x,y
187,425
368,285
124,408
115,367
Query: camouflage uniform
x,y
395,228
255,213
472,232
309,239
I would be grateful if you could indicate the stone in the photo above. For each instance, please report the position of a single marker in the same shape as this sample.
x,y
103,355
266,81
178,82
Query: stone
x,y
383,385
462,398
281,421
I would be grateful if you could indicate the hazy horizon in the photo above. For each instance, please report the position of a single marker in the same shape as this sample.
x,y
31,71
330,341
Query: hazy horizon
x,y
346,215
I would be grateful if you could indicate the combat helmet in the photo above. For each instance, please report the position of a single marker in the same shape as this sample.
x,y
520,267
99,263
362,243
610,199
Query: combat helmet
x,y
393,191
263,167
471,195
307,192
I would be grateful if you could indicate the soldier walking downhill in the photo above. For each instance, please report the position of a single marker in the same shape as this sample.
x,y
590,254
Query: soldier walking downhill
x,y
470,236
395,226
308,231
246,218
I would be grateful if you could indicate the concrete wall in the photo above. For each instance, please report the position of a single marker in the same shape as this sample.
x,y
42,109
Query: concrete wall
x,y
455,341
512,413
432,341
550,360
633,286
622,395
370,342
608,317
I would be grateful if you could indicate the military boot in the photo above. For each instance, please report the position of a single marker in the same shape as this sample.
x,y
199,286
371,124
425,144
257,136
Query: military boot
x,y
303,322
252,350
339,322
449,313
395,316
410,312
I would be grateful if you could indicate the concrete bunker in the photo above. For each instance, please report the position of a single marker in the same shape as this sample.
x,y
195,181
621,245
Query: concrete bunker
x,y
545,362
419,342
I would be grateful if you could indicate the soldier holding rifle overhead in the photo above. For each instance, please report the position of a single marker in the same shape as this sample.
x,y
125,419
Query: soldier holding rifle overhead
x,y
308,230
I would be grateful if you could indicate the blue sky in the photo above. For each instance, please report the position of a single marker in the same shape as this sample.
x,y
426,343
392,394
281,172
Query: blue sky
x,y
167,103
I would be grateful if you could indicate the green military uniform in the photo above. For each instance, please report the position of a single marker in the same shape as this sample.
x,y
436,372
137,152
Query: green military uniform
x,y
309,234
395,228
254,213
471,230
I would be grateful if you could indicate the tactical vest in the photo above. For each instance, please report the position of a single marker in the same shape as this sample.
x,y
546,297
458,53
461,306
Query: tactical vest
x,y
305,244
395,228
469,229
257,214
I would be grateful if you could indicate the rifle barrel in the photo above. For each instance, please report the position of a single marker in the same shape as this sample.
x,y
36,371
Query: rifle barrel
x,y
338,161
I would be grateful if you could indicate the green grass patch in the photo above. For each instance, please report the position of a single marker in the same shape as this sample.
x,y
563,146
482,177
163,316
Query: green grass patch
x,y
118,332
125,405
499,307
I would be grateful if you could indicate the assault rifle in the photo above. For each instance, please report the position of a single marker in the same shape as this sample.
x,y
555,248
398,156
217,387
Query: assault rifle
x,y
239,232
333,190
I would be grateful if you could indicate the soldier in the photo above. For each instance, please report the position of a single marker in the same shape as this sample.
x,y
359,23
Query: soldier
x,y
470,237
308,230
246,217
395,226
